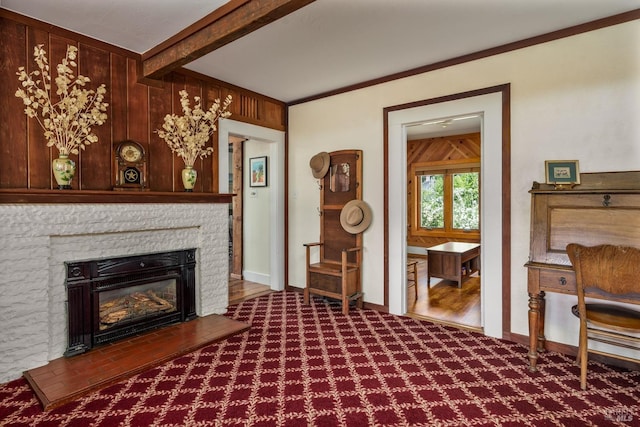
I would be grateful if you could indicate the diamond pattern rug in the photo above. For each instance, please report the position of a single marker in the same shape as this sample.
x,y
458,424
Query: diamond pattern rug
x,y
312,366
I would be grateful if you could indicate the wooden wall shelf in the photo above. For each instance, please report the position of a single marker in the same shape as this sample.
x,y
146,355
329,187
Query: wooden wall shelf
x,y
24,196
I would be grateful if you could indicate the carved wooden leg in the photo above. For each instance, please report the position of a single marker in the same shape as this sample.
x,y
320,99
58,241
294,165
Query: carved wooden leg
x,y
534,329
541,338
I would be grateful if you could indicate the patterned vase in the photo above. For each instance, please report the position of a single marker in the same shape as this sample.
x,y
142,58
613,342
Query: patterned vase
x,y
63,170
189,176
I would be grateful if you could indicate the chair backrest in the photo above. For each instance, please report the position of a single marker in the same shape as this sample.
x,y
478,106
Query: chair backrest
x,y
606,270
342,184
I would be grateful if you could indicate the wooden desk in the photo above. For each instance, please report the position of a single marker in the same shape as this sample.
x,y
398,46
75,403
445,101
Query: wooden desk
x,y
604,208
448,259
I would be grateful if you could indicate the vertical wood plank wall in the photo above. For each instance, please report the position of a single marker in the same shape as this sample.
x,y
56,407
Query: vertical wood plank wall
x,y
453,147
135,110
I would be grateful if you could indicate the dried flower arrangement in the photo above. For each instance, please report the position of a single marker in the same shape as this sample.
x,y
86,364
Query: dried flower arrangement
x,y
187,135
70,112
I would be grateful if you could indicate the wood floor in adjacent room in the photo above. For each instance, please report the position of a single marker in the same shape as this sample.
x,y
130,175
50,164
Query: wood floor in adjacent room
x,y
241,290
444,301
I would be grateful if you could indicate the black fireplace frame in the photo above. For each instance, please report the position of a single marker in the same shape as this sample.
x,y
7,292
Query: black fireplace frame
x,y
86,279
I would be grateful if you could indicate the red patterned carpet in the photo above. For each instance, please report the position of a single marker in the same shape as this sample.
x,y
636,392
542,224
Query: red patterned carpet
x,y
311,366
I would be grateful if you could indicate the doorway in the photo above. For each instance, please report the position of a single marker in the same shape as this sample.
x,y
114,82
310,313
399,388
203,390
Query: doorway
x,y
273,142
493,104
443,206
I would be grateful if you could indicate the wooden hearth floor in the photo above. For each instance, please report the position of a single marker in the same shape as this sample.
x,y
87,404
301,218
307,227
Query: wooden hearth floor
x,y
68,378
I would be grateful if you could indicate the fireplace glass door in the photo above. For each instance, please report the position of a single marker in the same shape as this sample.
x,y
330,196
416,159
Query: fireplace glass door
x,y
136,303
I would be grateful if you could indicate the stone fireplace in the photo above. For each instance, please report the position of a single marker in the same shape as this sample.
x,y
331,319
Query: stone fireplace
x,y
38,239
114,298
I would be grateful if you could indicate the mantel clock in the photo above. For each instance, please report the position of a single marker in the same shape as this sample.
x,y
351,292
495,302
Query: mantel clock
x,y
130,164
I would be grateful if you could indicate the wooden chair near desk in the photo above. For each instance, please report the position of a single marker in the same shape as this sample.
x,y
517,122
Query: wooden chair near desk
x,y
343,219
612,272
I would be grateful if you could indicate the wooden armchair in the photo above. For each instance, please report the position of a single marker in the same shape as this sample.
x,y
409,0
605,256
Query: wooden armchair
x,y
606,272
338,273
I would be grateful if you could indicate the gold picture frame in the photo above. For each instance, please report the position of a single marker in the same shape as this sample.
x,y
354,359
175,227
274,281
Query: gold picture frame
x,y
562,174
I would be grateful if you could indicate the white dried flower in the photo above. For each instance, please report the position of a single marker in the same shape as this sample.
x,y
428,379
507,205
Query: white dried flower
x,y
187,135
70,112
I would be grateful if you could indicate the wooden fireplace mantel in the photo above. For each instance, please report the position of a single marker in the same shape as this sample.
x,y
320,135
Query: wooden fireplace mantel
x,y
31,196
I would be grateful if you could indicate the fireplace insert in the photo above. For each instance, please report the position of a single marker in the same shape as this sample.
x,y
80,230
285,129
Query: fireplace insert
x,y
111,299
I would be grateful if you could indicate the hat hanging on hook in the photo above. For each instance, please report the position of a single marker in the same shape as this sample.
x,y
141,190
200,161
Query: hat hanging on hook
x,y
320,164
355,216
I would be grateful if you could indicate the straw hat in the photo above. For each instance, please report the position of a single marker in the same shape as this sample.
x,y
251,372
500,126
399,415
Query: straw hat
x,y
320,164
355,216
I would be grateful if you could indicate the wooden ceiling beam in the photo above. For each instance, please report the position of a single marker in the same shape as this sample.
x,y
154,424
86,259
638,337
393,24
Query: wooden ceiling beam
x,y
222,26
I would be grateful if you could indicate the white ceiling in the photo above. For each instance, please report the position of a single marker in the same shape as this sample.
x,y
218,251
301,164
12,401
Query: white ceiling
x,y
328,44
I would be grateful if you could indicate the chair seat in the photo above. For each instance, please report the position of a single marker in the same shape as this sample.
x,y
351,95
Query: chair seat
x,y
330,268
613,316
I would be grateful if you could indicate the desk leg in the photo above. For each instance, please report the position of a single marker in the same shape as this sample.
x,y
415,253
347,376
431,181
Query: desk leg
x,y
541,338
536,328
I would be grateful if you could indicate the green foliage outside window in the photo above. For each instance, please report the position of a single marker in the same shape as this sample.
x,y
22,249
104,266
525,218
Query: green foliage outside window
x,y
466,201
432,206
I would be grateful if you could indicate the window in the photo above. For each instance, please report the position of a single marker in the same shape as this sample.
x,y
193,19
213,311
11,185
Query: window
x,y
447,199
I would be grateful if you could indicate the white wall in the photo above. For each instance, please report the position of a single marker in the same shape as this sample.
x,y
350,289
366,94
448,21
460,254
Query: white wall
x,y
256,219
574,98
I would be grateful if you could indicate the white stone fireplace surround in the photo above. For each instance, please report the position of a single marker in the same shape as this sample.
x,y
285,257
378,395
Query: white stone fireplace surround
x,y
36,240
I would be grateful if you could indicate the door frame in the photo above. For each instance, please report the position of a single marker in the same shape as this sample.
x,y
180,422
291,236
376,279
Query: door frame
x,y
276,172
494,104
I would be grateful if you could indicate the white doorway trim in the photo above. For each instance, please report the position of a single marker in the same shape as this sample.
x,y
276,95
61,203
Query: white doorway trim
x,y
490,107
275,179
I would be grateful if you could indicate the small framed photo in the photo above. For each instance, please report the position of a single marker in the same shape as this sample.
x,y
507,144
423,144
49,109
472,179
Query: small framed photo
x,y
258,170
562,173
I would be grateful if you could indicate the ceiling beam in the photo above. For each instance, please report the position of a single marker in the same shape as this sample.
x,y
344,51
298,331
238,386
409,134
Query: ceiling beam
x,y
222,26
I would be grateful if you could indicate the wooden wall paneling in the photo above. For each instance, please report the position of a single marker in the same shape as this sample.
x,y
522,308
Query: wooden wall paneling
x,y
248,106
118,107
40,156
179,83
13,122
135,110
138,106
273,113
95,160
210,164
236,104
160,157
268,113
214,92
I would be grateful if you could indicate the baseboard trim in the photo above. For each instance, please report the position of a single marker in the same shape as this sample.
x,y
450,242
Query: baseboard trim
x,y
571,350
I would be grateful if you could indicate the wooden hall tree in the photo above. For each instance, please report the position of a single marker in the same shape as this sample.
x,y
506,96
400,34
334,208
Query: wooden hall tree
x,y
338,274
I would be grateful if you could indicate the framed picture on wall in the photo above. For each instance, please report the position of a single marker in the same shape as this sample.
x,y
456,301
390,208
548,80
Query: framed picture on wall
x,y
562,173
258,170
